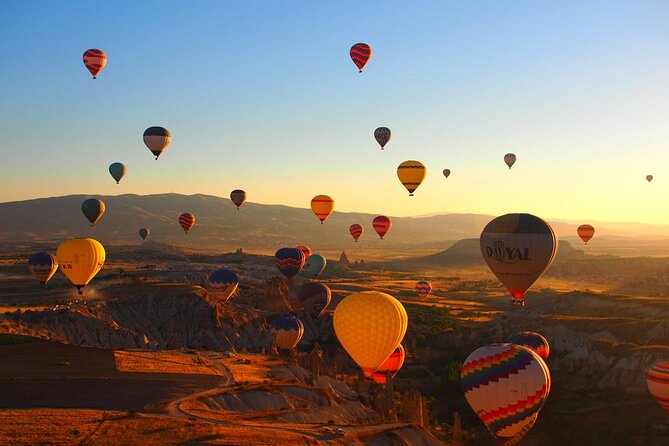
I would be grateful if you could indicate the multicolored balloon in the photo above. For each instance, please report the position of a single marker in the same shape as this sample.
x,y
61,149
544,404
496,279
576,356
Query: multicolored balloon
x,y
80,259
93,209
287,332
423,288
585,232
322,206
157,139
305,250
649,178
315,298
223,283
289,261
382,136
518,249
393,365
657,381
117,171
509,159
447,173
506,385
370,325
382,225
411,173
95,60
534,341
187,221
314,265
360,54
238,197
356,231
43,266
144,233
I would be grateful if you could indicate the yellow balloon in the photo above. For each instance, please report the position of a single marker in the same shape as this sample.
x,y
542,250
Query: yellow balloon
x,y
370,325
322,206
80,259
411,174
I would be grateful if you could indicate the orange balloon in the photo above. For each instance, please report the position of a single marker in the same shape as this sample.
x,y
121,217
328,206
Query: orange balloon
x,y
586,232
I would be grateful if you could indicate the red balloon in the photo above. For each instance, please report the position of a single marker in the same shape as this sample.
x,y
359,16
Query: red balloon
x,y
356,231
360,54
393,365
382,225
186,220
95,60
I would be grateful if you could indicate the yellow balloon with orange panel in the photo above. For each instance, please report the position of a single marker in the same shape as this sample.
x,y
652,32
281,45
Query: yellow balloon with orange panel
x,y
411,174
370,325
322,206
80,259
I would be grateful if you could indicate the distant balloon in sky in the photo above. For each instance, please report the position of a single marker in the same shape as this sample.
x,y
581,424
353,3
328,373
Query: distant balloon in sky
x,y
322,206
657,381
360,54
314,265
223,283
423,288
186,220
305,250
157,139
238,197
287,331
314,297
393,365
356,231
80,259
518,249
289,261
510,159
95,60
447,173
93,209
144,233
534,341
586,232
382,225
382,136
43,266
649,178
117,171
411,173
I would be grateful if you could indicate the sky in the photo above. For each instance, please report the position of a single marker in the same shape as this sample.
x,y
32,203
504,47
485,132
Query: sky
x,y
262,96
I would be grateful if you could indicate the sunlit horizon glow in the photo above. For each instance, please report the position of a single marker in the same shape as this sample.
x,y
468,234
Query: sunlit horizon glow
x,y
270,102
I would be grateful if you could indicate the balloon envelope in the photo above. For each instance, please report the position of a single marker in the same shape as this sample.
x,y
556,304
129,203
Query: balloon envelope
x,y
411,173
238,197
382,225
447,173
518,249
157,139
144,233
586,232
423,288
370,325
289,261
93,209
382,136
223,283
393,365
305,250
187,221
360,54
80,259
95,60
314,265
657,381
42,266
509,159
506,385
117,171
534,341
314,297
322,206
649,178
287,332
356,231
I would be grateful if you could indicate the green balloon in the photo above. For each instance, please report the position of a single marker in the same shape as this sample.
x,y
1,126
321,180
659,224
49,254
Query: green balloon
x,y
315,265
117,171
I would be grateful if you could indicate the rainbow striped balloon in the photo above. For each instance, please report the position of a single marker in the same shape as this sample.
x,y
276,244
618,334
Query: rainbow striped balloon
x,y
506,385
360,54
423,288
657,381
289,261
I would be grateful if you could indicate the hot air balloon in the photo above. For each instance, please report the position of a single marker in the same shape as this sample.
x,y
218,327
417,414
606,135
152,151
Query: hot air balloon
x,y
238,197
506,385
360,54
314,265
411,174
289,261
393,365
510,159
42,266
518,249
314,297
157,139
356,231
534,341
305,250
95,60
382,225
93,209
80,259
447,173
322,206
287,332
186,220
649,178
423,288
144,233
586,232
382,136
370,325
117,171
223,283
657,381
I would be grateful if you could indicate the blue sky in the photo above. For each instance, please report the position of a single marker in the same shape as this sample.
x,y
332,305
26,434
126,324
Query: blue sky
x,y
263,96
